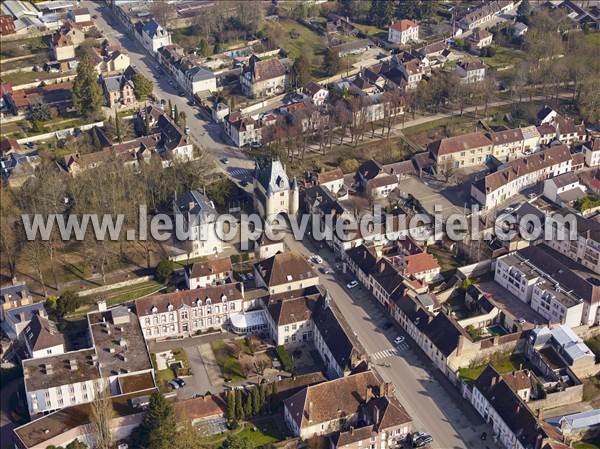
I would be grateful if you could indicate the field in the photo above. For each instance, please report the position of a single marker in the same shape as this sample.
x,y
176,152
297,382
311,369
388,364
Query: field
x,y
504,57
23,77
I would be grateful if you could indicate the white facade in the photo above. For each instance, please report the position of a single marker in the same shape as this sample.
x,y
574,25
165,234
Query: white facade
x,y
585,250
403,32
53,350
592,154
55,398
552,190
555,306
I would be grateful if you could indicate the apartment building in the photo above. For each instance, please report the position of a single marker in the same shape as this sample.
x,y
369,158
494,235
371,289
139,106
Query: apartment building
x,y
152,35
117,351
470,71
585,249
187,312
519,174
284,272
540,290
355,410
403,31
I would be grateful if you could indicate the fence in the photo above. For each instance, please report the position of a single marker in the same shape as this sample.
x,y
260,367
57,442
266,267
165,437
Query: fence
x,y
60,134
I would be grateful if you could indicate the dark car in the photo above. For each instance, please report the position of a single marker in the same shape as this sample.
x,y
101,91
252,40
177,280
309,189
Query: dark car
x,y
422,440
180,381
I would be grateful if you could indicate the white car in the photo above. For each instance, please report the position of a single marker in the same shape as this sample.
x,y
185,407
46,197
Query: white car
x,y
352,284
398,340
316,259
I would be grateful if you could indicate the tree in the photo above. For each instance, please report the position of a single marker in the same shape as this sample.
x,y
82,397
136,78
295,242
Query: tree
x,y
301,69
204,48
101,415
87,95
262,392
118,128
231,406
40,112
158,429
95,139
176,114
273,397
68,302
349,165
332,62
256,405
163,270
11,239
248,412
239,406
523,11
381,12
237,442
142,87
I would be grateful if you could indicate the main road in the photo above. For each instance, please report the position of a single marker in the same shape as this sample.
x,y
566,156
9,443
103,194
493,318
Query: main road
x,y
207,134
435,405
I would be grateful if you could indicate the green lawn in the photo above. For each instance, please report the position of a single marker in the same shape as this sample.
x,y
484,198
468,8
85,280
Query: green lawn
x,y
29,77
503,364
504,56
593,39
372,30
162,376
229,365
260,435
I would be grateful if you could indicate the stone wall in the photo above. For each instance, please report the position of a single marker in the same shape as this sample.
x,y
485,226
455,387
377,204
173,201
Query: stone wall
x,y
571,395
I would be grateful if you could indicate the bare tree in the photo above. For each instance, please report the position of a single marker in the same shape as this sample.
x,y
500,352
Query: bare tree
x,y
100,417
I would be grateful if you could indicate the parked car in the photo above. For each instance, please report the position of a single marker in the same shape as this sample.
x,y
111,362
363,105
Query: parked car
x,y
174,385
399,339
352,284
420,439
532,195
316,259
225,160
180,382
324,270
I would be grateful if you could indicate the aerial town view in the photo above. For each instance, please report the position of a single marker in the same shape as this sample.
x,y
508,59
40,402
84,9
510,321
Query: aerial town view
x,y
299,224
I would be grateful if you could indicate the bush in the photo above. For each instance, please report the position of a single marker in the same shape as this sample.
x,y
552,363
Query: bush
x,y
285,359
349,165
68,302
163,270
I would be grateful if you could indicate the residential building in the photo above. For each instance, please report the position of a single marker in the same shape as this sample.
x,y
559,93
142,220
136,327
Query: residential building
x,y
584,248
333,180
243,130
519,174
290,320
519,29
274,193
62,47
210,272
7,25
264,78
118,91
200,81
42,338
466,150
592,153
13,296
189,312
284,272
514,424
354,47
470,71
413,73
80,15
59,95
352,410
546,115
403,31
16,319
316,93
479,39
563,189
484,14
152,35
118,351
381,186
540,290
199,217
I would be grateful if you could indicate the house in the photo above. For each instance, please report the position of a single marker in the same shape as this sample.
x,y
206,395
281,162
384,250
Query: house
x,y
520,29
580,425
465,150
381,186
274,193
118,91
16,168
118,351
59,95
200,81
290,320
284,272
243,130
403,31
470,71
62,46
333,180
316,93
16,319
539,290
514,424
546,115
479,39
152,35
360,408
519,174
210,272
13,296
263,78
592,152
482,15
199,216
413,73
563,189
74,32
189,312
80,15
42,338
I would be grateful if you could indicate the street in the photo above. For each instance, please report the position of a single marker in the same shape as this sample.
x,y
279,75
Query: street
x,y
434,404
206,134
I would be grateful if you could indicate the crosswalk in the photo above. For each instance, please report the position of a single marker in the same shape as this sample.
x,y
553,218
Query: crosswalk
x,y
240,173
389,352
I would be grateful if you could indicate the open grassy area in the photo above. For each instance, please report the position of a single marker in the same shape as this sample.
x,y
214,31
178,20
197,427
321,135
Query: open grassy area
x,y
504,56
163,376
260,435
504,363
23,77
593,39
591,389
372,30
229,365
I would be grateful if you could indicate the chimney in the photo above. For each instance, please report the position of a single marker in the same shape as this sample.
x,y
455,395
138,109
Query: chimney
x,y
310,410
540,414
369,394
101,303
494,380
382,388
351,430
22,316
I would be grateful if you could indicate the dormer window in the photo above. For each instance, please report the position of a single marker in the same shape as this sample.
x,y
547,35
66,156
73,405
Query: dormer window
x,y
198,302
170,307
208,301
154,309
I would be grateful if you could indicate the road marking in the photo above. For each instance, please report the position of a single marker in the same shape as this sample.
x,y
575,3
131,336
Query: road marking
x,y
240,172
384,354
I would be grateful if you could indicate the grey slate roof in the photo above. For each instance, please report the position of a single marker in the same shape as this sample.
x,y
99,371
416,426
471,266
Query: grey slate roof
x,y
272,176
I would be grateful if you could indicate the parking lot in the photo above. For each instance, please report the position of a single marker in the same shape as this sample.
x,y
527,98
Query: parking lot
x,y
431,192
